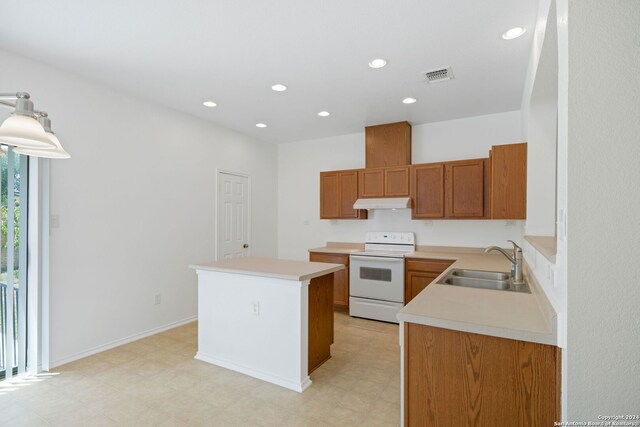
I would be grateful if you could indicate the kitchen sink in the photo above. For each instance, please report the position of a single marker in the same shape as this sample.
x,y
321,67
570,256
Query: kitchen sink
x,y
482,279
476,274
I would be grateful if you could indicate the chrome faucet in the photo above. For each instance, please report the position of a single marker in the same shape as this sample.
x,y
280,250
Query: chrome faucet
x,y
516,261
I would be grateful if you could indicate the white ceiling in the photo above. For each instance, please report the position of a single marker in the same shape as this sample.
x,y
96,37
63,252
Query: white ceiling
x,y
181,53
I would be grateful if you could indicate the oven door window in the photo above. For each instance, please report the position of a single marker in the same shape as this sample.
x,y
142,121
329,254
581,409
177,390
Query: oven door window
x,y
377,274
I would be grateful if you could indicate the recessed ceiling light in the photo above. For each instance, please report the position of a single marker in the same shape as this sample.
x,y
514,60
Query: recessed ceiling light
x,y
513,33
209,104
324,113
279,87
377,63
409,101
261,125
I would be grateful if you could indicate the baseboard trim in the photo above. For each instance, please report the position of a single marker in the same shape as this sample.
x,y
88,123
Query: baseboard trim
x,y
119,342
283,382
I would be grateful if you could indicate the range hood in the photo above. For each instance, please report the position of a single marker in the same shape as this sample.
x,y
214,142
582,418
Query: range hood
x,y
384,203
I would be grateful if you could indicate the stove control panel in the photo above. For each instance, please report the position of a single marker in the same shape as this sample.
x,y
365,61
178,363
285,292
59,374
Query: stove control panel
x,y
391,237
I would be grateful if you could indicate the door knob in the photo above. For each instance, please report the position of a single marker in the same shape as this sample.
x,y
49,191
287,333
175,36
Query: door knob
x,y
246,245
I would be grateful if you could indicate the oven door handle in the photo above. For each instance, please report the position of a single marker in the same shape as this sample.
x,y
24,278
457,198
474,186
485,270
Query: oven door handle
x,y
371,259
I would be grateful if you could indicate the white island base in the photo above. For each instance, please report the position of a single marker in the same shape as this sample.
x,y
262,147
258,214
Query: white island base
x,y
256,321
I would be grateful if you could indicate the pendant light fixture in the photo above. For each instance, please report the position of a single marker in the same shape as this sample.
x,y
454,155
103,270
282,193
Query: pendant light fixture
x,y
29,130
22,129
57,153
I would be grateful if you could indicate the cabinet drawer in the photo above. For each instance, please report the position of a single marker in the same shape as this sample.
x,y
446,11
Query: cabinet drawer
x,y
428,265
330,258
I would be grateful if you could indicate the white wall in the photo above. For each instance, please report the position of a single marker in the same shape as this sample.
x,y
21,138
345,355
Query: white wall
x,y
544,124
540,112
136,206
541,126
603,230
299,165
560,279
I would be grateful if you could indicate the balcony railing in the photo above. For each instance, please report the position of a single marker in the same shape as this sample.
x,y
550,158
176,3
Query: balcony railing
x,y
3,328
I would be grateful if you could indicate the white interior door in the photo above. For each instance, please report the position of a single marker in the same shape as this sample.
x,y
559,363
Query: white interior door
x,y
233,215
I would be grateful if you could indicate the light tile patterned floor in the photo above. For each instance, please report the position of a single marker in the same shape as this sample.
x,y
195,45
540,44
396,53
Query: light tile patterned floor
x,y
157,382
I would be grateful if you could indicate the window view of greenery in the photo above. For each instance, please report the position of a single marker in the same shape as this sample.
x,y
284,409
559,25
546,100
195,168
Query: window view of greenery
x,y
9,245
4,213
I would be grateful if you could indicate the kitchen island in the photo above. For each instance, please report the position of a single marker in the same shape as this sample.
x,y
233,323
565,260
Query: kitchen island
x,y
268,318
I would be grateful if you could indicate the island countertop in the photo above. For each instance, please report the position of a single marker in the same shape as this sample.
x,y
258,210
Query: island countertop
x,y
271,267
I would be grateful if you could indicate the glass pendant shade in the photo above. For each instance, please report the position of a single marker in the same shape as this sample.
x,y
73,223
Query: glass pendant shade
x,y
25,132
56,153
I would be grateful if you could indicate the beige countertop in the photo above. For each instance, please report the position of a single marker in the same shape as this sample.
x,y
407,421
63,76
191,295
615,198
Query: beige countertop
x,y
270,267
339,248
546,245
513,315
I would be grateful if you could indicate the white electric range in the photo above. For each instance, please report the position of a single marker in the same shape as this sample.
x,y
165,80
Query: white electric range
x,y
376,277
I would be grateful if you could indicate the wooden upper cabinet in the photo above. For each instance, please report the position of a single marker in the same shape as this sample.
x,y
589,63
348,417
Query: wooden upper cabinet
x,y
384,182
465,189
396,181
338,193
388,145
348,193
509,181
371,182
427,191
455,190
329,206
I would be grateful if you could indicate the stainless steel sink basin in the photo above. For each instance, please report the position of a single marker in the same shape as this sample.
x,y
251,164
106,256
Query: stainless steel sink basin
x,y
482,279
472,282
476,274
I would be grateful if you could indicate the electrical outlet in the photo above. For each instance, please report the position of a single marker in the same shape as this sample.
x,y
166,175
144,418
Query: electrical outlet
x,y
157,299
306,222
255,308
509,223
54,221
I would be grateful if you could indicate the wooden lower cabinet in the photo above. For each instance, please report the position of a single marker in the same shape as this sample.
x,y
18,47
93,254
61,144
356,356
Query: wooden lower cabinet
x,y
340,278
454,378
416,282
419,273
320,321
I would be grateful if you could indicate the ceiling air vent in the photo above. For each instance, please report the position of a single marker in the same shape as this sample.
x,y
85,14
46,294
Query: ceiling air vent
x,y
439,75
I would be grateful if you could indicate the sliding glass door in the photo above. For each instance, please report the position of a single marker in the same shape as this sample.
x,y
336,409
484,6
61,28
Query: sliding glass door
x,y
13,262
